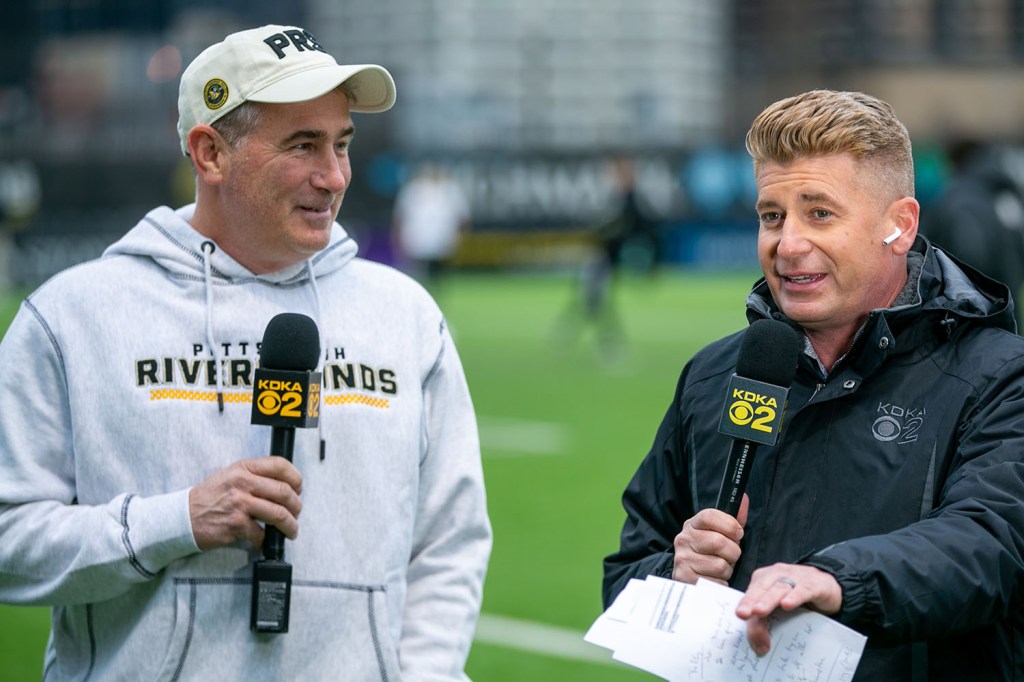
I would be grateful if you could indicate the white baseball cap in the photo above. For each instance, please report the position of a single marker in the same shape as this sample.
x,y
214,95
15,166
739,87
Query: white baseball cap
x,y
277,64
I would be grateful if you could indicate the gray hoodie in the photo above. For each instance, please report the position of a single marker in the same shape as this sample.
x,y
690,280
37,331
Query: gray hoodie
x,y
111,415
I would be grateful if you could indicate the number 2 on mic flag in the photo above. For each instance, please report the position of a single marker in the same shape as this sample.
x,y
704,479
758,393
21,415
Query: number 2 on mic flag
x,y
754,410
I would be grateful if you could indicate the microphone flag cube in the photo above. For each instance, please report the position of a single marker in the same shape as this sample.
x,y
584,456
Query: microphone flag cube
x,y
753,411
286,398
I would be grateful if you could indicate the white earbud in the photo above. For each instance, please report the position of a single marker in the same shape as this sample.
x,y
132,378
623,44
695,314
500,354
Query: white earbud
x,y
892,237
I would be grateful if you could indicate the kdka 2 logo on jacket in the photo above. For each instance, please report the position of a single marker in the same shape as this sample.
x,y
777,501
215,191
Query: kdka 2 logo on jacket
x,y
897,423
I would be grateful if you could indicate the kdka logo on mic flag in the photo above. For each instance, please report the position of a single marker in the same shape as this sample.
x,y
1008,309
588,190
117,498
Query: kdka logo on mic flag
x,y
753,411
286,398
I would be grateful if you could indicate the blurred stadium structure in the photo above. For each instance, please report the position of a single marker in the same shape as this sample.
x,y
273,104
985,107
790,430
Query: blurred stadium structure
x,y
525,102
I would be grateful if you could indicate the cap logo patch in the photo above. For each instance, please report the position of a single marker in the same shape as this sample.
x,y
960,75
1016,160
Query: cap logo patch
x,y
215,94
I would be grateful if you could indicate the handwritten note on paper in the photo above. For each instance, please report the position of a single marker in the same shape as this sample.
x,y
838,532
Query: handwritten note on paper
x,y
805,645
691,634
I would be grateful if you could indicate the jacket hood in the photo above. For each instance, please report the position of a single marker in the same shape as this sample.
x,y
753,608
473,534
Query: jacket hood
x,y
166,236
953,286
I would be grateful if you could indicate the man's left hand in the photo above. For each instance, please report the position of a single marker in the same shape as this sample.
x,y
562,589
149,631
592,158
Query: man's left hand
x,y
785,586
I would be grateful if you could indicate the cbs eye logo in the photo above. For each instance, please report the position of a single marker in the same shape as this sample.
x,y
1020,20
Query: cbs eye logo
x,y
741,412
753,410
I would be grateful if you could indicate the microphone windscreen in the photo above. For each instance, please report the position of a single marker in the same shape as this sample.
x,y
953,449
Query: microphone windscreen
x,y
769,353
291,342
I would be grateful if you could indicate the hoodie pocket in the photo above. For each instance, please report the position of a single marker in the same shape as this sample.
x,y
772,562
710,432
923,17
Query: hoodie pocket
x,y
336,631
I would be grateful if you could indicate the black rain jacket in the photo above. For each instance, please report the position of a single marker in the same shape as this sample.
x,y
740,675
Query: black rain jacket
x,y
901,474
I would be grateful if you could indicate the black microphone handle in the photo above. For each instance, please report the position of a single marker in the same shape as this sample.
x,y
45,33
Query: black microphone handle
x,y
737,472
282,444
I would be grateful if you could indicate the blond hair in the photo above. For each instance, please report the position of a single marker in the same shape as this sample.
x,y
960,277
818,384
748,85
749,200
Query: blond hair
x,y
826,122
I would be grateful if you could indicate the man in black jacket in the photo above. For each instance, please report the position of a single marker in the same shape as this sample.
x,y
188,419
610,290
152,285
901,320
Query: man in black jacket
x,y
893,499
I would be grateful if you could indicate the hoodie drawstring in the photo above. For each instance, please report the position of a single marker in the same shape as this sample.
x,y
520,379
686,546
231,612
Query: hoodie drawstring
x,y
323,349
207,248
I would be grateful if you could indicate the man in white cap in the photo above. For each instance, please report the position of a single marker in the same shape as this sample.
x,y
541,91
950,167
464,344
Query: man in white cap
x,y
136,492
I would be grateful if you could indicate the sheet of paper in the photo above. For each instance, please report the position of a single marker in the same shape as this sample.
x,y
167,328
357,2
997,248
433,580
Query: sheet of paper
x,y
607,629
649,640
690,633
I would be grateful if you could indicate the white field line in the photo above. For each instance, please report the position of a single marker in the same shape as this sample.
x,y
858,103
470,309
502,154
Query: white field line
x,y
503,437
538,638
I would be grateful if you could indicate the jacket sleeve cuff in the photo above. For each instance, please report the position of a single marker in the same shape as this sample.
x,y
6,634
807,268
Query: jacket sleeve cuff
x,y
156,530
854,591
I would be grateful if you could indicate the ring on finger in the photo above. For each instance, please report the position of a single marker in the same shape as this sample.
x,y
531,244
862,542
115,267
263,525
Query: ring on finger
x,y
786,581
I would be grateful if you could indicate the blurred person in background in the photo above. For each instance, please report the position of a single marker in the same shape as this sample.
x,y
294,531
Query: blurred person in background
x,y
894,499
980,214
20,197
430,216
626,240
135,493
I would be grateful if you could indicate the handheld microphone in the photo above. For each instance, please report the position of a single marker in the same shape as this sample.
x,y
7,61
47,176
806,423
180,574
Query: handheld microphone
x,y
286,396
756,402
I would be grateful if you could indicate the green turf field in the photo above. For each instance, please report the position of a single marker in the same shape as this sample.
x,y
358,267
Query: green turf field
x,y
564,423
